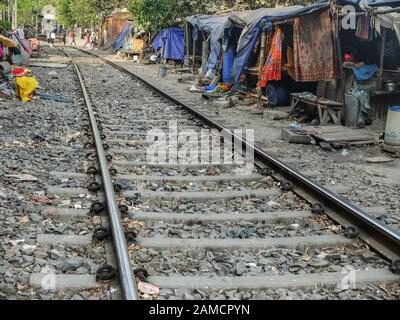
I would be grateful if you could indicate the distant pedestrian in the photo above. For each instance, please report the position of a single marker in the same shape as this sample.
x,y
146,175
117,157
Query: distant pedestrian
x,y
73,37
52,37
87,40
93,40
64,37
48,37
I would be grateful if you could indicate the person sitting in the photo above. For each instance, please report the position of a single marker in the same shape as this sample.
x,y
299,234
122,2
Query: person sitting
x,y
24,86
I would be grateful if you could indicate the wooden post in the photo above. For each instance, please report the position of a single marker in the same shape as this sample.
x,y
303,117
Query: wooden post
x,y
193,55
205,53
263,44
382,59
187,35
262,54
340,58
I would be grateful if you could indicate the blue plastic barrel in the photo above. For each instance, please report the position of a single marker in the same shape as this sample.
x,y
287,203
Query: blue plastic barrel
x,y
229,57
277,95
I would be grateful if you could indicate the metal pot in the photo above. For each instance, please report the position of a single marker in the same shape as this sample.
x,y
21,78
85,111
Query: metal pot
x,y
390,86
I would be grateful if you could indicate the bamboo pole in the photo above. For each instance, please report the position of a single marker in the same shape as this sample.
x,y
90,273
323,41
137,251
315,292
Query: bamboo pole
x,y
340,58
187,43
263,46
194,55
382,59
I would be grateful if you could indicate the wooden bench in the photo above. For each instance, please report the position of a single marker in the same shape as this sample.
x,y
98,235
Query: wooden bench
x,y
327,109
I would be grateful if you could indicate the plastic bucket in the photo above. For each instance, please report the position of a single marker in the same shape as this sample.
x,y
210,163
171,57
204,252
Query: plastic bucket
x,y
351,111
162,71
392,133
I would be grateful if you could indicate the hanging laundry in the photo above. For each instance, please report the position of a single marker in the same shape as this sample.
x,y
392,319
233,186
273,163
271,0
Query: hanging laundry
x,y
314,47
363,27
363,99
273,66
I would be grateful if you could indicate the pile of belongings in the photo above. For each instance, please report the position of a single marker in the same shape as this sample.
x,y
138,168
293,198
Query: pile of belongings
x,y
24,85
221,88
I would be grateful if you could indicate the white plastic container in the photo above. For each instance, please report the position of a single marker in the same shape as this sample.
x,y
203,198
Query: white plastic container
x,y
392,133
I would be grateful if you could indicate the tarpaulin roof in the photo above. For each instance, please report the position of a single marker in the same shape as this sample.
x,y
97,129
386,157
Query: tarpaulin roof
x,y
250,22
213,25
372,3
174,39
119,42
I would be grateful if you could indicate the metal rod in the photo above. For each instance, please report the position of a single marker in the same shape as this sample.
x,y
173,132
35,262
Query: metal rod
x,y
127,279
372,12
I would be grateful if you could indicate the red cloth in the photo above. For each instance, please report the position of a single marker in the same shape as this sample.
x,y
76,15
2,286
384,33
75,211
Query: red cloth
x,y
273,66
18,72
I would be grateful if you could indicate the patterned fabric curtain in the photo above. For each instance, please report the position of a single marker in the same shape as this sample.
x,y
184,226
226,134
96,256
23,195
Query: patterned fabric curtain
x,y
314,47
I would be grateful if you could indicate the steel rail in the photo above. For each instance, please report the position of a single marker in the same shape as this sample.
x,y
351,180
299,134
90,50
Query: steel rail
x,y
127,278
375,233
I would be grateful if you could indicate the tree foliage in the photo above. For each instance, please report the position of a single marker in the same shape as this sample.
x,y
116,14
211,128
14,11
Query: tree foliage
x,y
83,13
155,15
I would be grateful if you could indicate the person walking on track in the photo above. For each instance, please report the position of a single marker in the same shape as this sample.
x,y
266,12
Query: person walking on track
x,y
73,37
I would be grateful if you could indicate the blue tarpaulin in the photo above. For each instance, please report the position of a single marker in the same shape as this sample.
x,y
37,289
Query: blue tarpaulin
x,y
126,32
174,40
252,22
214,26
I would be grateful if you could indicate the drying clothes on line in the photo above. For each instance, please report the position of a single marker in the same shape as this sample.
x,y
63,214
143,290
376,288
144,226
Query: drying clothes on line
x,y
365,72
390,21
314,47
363,99
273,66
363,27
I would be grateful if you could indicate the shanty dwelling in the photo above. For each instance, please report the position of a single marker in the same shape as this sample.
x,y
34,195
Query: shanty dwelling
x,y
262,42
370,54
127,43
112,27
170,44
203,45
279,54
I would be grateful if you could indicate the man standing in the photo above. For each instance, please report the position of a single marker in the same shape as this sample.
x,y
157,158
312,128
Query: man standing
x,y
53,37
73,37
64,36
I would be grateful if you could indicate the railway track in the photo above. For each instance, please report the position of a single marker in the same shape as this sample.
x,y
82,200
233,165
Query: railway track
x,y
202,229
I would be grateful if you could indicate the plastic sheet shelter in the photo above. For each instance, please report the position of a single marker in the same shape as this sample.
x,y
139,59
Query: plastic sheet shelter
x,y
112,27
123,36
252,23
214,26
172,40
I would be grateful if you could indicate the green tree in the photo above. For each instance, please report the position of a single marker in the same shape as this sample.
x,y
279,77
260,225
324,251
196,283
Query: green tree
x,y
27,10
84,12
155,15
